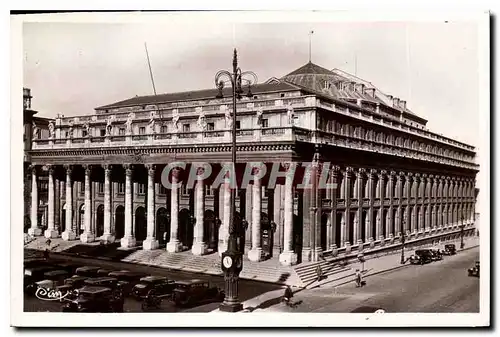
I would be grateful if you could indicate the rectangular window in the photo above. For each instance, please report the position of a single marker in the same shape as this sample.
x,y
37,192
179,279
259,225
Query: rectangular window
x,y
238,125
100,188
140,188
142,130
208,190
184,190
82,187
102,132
164,129
162,190
121,131
121,188
265,193
186,127
210,126
84,133
265,123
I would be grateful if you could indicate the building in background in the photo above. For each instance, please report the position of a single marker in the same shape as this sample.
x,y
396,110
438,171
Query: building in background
x,y
394,176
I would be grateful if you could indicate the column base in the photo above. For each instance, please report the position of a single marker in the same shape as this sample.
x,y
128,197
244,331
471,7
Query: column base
x,y
288,258
108,238
335,250
318,254
68,236
87,237
255,255
230,307
35,231
150,244
306,254
51,234
128,242
371,242
199,248
174,246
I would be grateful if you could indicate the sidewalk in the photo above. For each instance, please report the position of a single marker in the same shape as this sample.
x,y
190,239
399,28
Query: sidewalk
x,y
382,264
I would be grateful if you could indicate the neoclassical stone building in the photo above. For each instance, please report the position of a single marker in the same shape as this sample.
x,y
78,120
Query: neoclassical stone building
x,y
394,177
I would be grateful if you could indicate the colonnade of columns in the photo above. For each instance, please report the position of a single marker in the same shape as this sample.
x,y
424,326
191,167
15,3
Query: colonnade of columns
x,y
367,207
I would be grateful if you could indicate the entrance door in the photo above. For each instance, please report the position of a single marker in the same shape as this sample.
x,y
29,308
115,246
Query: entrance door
x,y
140,224
324,226
63,219
185,228
162,226
99,228
297,236
210,229
119,222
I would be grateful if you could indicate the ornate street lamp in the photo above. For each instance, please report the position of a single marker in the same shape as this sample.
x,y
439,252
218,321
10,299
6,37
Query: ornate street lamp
x,y
462,233
403,242
232,260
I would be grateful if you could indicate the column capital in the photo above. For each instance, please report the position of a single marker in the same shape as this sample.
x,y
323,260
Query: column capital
x,y
431,176
33,169
128,169
68,168
336,168
87,168
361,172
424,175
107,167
151,169
49,168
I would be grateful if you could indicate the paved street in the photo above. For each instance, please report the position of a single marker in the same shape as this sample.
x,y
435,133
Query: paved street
x,y
248,289
441,286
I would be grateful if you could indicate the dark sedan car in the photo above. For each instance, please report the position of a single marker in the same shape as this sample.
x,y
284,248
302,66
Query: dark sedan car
x,y
474,271
89,271
160,285
193,292
421,256
94,299
436,254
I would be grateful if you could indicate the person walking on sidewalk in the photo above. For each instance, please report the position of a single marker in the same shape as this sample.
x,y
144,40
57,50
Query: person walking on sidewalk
x,y
359,279
319,273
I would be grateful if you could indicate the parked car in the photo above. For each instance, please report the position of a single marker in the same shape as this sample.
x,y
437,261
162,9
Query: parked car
x,y
161,286
33,275
72,283
103,272
192,292
436,254
421,256
128,279
95,299
450,249
108,282
69,267
474,271
89,271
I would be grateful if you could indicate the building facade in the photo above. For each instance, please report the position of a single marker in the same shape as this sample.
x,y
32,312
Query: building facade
x,y
393,176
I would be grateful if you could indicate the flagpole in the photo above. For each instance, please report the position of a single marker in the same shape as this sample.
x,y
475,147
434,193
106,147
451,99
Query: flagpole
x,y
310,38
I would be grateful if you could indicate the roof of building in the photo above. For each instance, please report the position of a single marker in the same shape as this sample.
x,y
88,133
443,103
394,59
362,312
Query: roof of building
x,y
310,68
194,95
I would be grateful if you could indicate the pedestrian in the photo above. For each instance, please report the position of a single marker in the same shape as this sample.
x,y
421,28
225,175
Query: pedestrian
x,y
287,297
164,236
358,278
319,273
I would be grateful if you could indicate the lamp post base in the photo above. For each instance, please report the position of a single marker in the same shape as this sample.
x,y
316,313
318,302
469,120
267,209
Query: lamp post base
x,y
230,307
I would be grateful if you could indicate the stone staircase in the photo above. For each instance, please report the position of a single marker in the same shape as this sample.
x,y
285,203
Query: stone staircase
x,y
266,271
57,245
307,271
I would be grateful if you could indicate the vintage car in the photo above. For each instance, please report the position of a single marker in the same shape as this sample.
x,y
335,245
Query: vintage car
x,y
421,256
94,299
369,309
68,266
193,292
127,278
449,249
474,271
160,285
33,275
108,282
89,271
72,283
436,254
103,272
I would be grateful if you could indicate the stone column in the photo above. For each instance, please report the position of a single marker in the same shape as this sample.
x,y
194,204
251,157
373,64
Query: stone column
x,y
255,254
51,232
87,235
421,219
400,220
370,219
150,243
174,245
347,183
68,233
128,239
107,236
391,224
57,206
199,245
414,220
317,210
358,225
288,256
334,175
34,230
379,230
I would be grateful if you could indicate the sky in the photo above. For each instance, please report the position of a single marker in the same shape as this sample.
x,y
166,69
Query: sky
x,y
73,68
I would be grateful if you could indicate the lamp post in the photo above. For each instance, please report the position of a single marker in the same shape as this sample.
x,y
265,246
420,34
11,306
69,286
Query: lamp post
x,y
403,243
462,233
232,261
